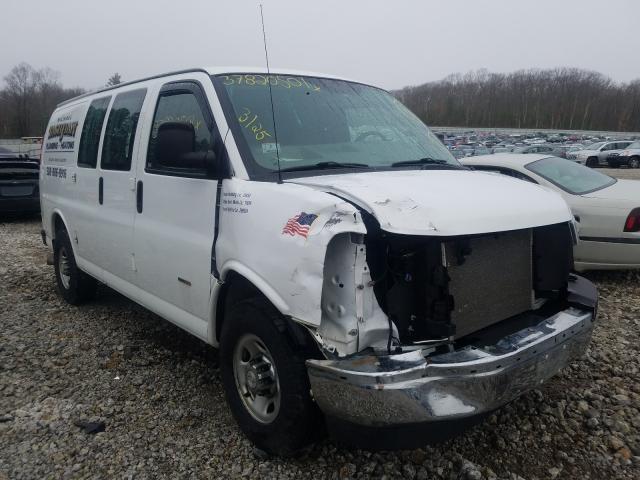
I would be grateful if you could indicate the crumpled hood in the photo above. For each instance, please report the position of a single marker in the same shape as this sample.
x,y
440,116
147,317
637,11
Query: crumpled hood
x,y
445,202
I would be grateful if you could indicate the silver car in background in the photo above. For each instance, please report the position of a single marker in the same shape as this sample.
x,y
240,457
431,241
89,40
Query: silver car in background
x,y
598,153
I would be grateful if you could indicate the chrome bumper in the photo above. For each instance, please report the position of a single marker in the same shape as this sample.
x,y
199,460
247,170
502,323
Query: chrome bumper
x,y
407,388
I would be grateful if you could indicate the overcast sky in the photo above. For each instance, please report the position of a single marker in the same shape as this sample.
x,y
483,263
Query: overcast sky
x,y
390,43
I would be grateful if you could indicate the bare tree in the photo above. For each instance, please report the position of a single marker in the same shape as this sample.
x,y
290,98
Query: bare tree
x,y
28,99
21,84
561,98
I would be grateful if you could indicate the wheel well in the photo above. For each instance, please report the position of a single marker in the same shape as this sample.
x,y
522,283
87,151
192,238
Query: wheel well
x,y
235,288
58,224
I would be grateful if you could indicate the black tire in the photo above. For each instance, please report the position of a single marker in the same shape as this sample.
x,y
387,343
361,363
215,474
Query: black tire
x,y
592,162
74,285
298,421
634,162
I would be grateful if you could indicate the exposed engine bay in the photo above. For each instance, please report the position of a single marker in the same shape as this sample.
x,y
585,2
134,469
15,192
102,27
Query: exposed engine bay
x,y
437,288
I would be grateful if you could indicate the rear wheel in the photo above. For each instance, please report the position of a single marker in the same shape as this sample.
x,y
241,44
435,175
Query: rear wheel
x,y
634,162
265,379
74,285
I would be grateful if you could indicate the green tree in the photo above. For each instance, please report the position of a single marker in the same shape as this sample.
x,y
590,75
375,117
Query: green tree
x,y
114,79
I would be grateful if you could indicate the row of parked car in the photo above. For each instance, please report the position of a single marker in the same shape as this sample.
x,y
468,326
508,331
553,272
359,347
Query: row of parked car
x,y
592,152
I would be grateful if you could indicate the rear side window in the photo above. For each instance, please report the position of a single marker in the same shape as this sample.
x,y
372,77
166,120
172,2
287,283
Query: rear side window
x,y
182,133
120,134
90,139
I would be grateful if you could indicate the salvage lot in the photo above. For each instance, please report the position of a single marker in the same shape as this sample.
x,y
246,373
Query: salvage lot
x,y
159,394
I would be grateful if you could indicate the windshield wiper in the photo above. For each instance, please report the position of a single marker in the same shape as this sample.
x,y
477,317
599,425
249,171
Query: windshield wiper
x,y
324,166
427,161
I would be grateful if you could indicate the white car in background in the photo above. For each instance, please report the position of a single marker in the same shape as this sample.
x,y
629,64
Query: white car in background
x,y
597,154
607,210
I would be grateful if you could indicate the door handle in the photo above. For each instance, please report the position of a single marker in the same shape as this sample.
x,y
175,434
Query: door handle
x,y
100,190
139,197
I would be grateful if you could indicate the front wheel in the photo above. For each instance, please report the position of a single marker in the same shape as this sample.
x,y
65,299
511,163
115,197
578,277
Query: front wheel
x,y
592,162
265,379
634,162
74,285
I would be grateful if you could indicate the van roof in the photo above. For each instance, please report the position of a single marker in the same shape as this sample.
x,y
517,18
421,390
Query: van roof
x,y
209,71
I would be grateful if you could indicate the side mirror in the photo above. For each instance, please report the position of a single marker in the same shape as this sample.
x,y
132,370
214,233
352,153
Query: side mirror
x,y
175,141
176,150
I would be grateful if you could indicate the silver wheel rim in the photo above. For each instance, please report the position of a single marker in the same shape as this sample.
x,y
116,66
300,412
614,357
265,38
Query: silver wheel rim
x,y
635,163
256,378
64,268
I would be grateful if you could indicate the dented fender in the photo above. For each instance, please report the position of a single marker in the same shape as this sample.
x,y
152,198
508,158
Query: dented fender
x,y
277,235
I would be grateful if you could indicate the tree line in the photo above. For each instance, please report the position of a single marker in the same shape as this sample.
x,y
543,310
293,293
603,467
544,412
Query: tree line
x,y
560,98
29,97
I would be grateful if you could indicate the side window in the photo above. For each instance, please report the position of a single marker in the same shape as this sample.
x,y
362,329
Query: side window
x,y
90,139
182,137
120,134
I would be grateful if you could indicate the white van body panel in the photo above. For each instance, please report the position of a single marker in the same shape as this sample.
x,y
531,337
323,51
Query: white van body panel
x,y
58,162
252,218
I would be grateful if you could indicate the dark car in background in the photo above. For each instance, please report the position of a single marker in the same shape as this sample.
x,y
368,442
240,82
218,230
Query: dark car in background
x,y
19,180
629,157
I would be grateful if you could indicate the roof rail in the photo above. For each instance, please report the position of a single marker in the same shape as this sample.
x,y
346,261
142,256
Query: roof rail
x,y
133,82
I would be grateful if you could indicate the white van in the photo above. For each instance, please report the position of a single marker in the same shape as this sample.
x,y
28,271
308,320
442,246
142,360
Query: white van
x,y
349,269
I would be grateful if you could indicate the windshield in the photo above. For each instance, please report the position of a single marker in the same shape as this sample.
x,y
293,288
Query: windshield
x,y
569,176
323,121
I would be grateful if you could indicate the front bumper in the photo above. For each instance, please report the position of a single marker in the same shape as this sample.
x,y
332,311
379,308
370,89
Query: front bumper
x,y
20,205
380,391
19,196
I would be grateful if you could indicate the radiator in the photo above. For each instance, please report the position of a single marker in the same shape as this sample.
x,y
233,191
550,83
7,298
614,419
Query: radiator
x,y
492,282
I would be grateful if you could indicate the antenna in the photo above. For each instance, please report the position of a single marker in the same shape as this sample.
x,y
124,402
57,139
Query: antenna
x,y
273,114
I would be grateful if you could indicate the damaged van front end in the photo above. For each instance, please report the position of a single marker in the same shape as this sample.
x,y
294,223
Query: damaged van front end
x,y
440,326
418,293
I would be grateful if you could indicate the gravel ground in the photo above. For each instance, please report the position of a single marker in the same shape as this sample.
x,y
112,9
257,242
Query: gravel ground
x,y
156,392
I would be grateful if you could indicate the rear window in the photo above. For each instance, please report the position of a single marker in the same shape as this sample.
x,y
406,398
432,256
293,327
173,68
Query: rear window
x,y
120,134
570,176
90,139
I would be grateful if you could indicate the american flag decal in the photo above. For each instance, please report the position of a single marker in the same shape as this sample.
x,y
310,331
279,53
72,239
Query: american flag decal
x,y
299,225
